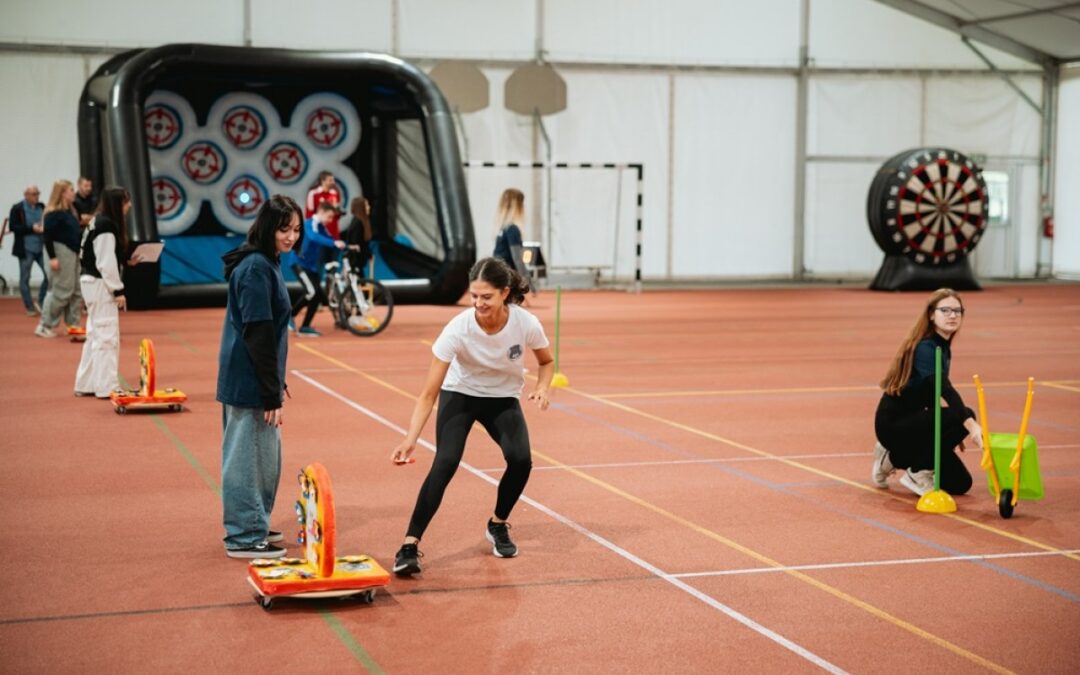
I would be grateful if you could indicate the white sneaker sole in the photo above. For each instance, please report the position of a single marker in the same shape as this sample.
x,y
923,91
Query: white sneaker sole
x,y
495,550
906,481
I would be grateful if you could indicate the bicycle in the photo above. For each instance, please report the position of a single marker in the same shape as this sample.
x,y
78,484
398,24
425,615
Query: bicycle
x,y
362,305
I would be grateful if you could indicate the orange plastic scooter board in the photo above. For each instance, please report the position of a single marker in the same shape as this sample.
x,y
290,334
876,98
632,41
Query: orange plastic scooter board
x,y
76,333
320,573
147,396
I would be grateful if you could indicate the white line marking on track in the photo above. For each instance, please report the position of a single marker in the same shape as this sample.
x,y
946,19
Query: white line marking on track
x,y
718,460
875,563
611,546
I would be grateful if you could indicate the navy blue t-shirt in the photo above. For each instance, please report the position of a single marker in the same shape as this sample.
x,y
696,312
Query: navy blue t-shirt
x,y
256,293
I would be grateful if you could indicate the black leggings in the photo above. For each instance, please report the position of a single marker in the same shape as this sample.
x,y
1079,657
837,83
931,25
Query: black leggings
x,y
505,424
909,438
313,294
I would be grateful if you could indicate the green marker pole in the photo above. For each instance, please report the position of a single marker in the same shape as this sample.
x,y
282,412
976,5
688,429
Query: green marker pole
x,y
558,312
937,418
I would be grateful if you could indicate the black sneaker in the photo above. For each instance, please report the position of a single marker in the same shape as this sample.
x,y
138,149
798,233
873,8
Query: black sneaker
x,y
263,550
273,536
499,536
407,560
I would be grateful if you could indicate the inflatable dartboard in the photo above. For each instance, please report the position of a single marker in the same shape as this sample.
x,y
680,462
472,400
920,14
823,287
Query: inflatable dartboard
x,y
204,162
286,162
929,205
927,209
244,126
163,126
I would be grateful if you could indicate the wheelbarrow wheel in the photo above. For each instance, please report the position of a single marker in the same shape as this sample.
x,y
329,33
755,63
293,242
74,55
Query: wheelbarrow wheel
x,y
1005,505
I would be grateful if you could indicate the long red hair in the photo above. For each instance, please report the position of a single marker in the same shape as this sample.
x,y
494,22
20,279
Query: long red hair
x,y
900,369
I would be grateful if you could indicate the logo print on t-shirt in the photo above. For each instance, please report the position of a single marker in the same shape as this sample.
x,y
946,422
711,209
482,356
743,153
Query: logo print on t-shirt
x,y
514,353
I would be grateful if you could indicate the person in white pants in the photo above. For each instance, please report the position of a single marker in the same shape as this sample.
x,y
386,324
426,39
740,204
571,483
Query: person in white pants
x,y
103,252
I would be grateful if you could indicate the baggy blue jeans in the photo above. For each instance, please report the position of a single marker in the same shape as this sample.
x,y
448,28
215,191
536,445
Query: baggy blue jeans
x,y
250,471
26,265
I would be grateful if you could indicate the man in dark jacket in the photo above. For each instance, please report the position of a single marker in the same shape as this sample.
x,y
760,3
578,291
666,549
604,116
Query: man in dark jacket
x,y
25,221
85,201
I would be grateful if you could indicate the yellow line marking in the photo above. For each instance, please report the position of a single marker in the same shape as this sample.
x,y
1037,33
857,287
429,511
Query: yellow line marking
x,y
816,471
341,364
820,585
1059,385
760,557
792,390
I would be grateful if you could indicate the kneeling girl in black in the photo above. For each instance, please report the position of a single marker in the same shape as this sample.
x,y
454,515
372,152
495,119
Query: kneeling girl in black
x,y
904,422
477,373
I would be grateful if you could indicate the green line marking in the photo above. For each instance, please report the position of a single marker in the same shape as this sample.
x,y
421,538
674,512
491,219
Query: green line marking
x,y
345,636
187,345
191,459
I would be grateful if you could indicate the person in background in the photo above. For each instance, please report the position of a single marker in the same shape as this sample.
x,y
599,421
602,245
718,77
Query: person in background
x,y
104,253
85,200
904,422
511,212
358,235
309,264
251,379
25,222
63,235
325,191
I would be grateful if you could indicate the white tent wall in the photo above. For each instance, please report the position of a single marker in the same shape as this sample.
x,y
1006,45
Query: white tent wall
x,y
703,93
1067,183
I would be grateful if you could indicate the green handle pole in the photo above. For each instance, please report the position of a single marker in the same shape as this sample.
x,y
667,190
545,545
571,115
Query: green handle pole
x,y
558,312
937,418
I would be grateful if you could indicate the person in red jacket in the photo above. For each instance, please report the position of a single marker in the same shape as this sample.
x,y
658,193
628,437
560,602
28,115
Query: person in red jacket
x,y
325,191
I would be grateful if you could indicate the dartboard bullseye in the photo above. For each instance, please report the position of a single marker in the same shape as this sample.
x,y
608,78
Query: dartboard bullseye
x,y
286,162
204,162
244,126
163,126
929,205
169,198
245,195
325,127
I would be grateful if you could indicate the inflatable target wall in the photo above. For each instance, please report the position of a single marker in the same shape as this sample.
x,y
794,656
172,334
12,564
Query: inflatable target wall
x,y
202,136
927,209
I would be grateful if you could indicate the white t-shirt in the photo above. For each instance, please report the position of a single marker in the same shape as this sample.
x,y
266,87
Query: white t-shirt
x,y
491,366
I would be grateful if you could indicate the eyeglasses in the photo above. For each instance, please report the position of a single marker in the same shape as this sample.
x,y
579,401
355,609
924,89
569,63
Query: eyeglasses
x,y
951,311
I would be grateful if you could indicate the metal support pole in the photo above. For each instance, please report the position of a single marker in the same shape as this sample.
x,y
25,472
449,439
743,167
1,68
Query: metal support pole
x,y
549,196
801,96
1005,76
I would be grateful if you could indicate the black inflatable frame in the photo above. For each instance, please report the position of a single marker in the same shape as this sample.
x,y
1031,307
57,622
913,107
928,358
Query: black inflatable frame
x,y
113,149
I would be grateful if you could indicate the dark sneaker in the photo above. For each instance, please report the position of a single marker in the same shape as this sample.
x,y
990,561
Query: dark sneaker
x,y
308,331
263,550
407,560
273,537
499,536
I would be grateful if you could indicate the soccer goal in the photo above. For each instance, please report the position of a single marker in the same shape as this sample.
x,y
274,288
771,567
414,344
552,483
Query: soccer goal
x,y
587,216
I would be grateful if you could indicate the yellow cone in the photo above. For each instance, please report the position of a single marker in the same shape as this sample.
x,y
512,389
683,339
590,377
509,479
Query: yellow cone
x,y
937,501
560,381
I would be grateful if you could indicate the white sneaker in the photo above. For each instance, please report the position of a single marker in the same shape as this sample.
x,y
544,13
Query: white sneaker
x,y
43,332
883,467
919,482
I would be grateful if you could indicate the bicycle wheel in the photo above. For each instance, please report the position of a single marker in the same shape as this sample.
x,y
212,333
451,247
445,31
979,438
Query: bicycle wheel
x,y
369,314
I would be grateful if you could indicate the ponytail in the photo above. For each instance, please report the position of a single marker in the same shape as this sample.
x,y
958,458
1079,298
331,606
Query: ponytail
x,y
500,275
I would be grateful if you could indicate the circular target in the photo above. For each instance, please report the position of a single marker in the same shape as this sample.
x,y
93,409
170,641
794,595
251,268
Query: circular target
x,y
929,205
169,198
204,162
244,126
245,195
286,162
326,127
163,126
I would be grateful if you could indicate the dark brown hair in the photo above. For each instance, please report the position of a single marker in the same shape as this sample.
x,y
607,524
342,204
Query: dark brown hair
x,y
500,275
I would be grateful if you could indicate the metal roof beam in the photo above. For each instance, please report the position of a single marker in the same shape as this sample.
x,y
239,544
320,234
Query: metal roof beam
x,y
1021,15
983,35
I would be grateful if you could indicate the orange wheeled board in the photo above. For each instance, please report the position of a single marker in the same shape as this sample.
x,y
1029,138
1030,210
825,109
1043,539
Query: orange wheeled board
x,y
320,573
147,396
76,333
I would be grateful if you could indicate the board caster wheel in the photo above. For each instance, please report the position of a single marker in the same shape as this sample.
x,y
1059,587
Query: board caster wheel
x,y
176,407
368,597
265,601
1005,505
121,410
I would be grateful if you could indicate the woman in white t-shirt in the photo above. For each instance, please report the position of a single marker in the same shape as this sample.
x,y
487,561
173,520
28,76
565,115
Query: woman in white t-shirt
x,y
477,374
